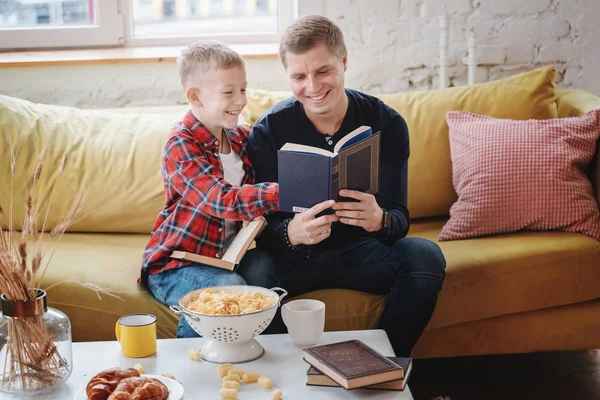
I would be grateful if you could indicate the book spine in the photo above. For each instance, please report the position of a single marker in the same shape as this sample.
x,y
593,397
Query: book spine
x,y
335,178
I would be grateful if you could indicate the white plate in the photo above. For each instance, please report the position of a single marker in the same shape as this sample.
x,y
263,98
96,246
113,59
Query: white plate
x,y
175,388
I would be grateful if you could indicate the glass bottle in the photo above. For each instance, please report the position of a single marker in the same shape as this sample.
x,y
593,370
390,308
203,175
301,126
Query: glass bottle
x,y
35,346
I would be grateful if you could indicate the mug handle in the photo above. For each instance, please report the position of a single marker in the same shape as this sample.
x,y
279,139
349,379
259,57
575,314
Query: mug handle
x,y
118,331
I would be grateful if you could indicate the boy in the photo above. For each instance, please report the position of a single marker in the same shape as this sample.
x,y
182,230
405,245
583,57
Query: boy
x,y
209,184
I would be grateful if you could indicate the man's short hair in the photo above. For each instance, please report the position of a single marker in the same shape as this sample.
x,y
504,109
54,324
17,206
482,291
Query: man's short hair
x,y
202,57
307,32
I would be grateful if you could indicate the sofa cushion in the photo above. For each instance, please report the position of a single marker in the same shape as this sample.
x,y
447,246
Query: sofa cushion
x,y
522,175
113,157
512,273
430,191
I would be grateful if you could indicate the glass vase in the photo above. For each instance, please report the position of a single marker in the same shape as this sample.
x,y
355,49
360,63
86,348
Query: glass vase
x,y
35,346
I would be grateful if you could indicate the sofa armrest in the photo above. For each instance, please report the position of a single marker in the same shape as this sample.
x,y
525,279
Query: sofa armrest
x,y
575,102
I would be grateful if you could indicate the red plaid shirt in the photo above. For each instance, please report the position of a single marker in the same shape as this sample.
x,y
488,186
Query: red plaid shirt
x,y
198,199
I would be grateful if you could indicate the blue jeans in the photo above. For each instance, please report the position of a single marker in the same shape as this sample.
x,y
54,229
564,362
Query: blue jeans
x,y
255,269
409,271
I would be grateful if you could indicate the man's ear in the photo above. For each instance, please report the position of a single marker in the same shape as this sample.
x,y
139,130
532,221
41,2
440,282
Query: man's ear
x,y
192,96
345,62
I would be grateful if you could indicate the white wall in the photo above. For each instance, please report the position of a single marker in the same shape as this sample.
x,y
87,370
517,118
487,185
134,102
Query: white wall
x,y
393,46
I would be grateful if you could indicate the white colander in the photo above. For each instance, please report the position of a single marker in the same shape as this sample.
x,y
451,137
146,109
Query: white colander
x,y
230,338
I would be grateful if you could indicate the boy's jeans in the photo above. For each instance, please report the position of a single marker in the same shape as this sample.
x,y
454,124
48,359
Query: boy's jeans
x,y
256,269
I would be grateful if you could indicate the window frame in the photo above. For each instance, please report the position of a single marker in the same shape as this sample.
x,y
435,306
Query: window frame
x,y
115,28
108,32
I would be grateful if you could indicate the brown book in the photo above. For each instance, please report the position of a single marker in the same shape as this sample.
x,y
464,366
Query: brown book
x,y
353,364
234,253
314,377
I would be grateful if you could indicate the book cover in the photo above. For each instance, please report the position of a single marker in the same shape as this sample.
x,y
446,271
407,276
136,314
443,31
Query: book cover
x,y
234,253
309,175
353,364
314,377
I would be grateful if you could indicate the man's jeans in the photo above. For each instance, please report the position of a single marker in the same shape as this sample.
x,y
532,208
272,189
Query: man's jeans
x,y
256,269
410,271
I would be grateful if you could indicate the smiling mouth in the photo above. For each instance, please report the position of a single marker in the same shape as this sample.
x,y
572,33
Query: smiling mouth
x,y
234,113
317,99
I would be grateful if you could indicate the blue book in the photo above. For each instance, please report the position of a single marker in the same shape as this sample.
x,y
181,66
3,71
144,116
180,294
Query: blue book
x,y
310,175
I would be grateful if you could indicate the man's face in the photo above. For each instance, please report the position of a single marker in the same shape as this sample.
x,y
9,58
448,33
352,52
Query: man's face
x,y
317,79
222,95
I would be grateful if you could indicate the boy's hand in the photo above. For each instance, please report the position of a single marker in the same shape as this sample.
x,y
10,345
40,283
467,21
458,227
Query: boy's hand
x,y
365,213
304,228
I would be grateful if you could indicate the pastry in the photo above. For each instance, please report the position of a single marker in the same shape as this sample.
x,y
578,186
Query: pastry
x,y
104,383
140,388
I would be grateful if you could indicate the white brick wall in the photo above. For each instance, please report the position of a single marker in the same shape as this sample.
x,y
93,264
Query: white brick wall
x,y
393,46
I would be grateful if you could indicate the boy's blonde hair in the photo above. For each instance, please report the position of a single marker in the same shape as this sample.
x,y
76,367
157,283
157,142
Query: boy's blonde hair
x,y
202,57
309,31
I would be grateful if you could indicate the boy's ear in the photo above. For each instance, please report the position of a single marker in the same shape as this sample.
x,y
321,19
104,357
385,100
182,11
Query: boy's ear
x,y
192,96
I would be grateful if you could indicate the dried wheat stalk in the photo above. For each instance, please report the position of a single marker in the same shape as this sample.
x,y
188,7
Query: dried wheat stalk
x,y
32,361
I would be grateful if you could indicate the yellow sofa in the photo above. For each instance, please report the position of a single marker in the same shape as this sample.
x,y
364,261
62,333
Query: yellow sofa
x,y
519,292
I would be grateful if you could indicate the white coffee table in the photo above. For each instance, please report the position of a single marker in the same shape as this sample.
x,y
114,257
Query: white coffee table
x,y
282,363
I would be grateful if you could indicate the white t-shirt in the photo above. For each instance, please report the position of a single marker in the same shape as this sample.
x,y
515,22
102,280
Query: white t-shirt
x,y
233,170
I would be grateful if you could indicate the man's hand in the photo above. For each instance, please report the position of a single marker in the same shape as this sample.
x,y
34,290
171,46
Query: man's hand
x,y
304,228
365,213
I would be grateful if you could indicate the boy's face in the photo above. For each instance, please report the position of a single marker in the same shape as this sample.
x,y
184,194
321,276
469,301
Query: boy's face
x,y
317,79
221,96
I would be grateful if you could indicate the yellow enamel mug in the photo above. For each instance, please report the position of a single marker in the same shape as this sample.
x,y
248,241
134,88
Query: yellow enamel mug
x,y
137,335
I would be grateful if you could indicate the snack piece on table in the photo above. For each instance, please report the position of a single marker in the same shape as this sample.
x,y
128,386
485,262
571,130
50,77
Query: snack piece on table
x,y
104,383
194,355
231,377
140,388
265,382
236,371
139,367
223,369
230,385
228,393
276,394
168,375
249,377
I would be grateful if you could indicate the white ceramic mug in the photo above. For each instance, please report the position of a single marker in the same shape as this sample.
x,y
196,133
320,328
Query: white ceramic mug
x,y
305,320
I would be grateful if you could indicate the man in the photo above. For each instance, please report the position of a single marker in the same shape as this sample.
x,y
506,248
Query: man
x,y
362,244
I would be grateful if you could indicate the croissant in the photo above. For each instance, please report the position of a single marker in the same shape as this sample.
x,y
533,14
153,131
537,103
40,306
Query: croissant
x,y
104,383
140,388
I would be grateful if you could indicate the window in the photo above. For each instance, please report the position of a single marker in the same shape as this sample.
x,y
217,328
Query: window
x,y
88,23
59,23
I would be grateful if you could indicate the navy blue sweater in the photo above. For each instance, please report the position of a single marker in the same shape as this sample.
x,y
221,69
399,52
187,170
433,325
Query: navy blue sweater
x,y
287,122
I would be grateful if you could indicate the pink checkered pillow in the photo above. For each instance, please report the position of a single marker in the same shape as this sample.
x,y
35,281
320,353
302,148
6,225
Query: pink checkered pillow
x,y
521,175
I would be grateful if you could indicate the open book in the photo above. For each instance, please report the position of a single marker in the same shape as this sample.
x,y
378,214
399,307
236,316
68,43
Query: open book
x,y
234,253
357,135
309,175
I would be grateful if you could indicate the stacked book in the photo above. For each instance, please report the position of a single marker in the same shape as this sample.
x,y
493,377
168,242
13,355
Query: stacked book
x,y
353,364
